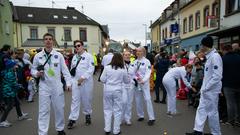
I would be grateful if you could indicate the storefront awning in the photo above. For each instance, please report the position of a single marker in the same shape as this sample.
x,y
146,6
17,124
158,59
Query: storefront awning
x,y
225,32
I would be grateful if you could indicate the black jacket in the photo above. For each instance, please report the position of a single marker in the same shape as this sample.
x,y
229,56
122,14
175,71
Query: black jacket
x,y
231,70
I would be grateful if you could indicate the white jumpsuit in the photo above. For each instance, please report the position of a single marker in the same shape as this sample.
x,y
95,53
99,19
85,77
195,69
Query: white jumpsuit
x,y
51,89
107,59
83,93
112,100
211,87
142,67
128,94
169,82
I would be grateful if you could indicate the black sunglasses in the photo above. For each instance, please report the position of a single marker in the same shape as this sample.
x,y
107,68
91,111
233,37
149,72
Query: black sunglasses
x,y
78,45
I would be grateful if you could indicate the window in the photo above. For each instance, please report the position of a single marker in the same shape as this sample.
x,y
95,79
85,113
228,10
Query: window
x,y
190,23
205,15
55,16
197,20
33,33
215,9
232,5
65,17
184,25
83,34
170,32
163,35
51,31
166,31
7,29
74,17
67,34
30,15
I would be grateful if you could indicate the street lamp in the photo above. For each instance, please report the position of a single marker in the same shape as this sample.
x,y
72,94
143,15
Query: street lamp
x,y
145,33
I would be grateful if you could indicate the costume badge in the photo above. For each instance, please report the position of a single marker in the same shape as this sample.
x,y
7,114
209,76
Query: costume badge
x,y
83,58
40,57
55,56
215,67
143,64
55,64
206,68
93,63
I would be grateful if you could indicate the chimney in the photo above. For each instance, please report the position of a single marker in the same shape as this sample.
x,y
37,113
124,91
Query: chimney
x,y
70,8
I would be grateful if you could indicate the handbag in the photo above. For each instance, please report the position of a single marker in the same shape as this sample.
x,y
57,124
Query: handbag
x,y
73,70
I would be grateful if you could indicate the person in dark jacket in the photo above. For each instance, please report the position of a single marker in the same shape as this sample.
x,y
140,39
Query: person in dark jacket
x,y
231,84
161,67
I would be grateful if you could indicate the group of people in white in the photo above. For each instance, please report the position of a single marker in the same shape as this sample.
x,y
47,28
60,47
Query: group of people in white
x,y
122,81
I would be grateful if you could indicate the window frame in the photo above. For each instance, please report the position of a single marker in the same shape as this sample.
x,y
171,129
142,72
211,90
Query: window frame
x,y
70,37
54,31
83,29
190,24
198,13
215,6
31,35
204,15
185,25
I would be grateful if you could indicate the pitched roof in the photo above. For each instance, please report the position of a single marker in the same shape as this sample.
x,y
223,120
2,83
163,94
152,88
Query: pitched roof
x,y
37,15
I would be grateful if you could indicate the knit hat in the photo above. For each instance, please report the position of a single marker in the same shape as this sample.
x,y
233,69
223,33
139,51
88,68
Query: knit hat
x,y
207,41
9,63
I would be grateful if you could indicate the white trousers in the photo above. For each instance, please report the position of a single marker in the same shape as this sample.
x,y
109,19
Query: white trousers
x,y
170,86
127,96
208,109
143,92
30,90
81,94
112,104
45,102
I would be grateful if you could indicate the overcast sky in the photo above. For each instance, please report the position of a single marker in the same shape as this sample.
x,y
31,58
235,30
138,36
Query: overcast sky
x,y
125,18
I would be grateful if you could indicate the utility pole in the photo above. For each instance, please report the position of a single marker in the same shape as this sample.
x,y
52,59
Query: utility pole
x,y
29,3
53,4
82,9
145,34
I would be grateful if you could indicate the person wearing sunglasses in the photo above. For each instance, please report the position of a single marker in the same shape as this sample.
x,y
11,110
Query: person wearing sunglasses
x,y
83,63
51,92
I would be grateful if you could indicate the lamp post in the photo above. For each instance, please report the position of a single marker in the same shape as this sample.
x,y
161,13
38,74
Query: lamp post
x,y
145,34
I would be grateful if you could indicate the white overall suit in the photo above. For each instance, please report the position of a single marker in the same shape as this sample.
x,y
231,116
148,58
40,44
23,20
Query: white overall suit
x,y
169,82
51,89
127,95
107,59
112,100
83,93
211,87
142,68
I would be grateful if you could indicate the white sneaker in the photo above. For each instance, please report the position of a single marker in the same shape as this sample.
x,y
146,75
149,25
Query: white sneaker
x,y
128,123
5,124
23,117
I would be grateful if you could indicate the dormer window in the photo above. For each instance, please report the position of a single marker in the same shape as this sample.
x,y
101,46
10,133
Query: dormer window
x,y
30,15
74,17
55,16
65,17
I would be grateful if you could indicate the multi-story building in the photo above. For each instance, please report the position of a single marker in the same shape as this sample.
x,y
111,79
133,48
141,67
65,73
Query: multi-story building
x,y
6,23
155,35
229,30
66,25
170,37
195,16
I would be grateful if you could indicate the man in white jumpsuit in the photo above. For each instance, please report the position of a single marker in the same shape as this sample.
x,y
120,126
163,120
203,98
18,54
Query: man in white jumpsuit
x,y
82,86
105,61
141,71
127,93
50,86
211,87
169,82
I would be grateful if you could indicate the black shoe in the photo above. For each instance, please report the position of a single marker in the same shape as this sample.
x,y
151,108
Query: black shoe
x,y
88,120
157,101
207,134
61,132
71,124
117,133
151,122
195,133
140,119
107,133
162,102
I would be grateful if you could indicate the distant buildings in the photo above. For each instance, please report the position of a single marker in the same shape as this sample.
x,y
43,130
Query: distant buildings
x,y
184,23
27,25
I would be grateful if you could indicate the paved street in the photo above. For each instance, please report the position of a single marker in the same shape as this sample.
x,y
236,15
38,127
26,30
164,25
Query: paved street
x,y
174,126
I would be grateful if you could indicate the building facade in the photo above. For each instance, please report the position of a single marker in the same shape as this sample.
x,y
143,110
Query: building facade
x,y
195,22
155,35
228,32
66,25
6,23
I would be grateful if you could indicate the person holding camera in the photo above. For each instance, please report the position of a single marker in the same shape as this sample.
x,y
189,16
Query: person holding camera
x,y
82,69
48,65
